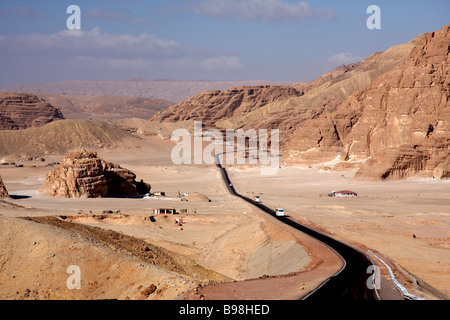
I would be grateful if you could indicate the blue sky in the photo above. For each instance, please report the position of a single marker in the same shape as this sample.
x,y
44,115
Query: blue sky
x,y
277,40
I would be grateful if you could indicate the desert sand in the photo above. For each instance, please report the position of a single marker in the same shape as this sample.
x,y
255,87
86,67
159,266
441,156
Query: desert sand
x,y
227,237
405,222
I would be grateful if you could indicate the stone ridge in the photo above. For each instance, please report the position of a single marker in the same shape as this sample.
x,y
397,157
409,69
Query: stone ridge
x,y
400,123
23,110
212,106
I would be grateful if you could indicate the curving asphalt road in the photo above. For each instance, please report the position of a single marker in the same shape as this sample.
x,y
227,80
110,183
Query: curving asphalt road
x,y
349,283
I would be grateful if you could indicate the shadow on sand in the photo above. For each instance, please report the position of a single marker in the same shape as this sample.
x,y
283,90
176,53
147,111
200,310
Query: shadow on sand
x,y
19,197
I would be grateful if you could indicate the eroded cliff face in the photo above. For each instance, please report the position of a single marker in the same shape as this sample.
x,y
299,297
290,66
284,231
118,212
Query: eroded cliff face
x,y
83,174
213,106
321,96
290,107
23,110
400,122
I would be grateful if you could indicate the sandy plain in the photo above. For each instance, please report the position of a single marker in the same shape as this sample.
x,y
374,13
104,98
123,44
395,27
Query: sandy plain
x,y
407,222
255,256
225,236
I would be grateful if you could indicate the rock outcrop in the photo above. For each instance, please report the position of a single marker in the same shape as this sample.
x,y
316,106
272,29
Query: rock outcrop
x,y
83,174
3,192
287,107
400,122
388,114
442,171
213,106
60,137
23,110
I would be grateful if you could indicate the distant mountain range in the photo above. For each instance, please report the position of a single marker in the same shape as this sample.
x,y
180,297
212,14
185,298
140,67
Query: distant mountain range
x,y
105,107
172,90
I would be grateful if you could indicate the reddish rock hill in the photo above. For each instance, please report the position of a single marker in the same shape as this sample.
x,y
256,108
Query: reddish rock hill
x,y
23,110
389,111
322,95
3,192
400,122
212,106
286,107
83,174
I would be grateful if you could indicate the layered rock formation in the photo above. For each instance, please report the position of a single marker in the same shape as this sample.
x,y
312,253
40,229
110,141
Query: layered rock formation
x,y
247,108
23,110
322,95
3,192
391,109
83,174
400,122
213,106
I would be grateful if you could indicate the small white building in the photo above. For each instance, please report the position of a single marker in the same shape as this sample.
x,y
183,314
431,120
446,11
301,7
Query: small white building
x,y
164,211
344,193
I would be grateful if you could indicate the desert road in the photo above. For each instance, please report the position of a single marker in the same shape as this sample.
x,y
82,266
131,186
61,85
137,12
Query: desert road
x,y
350,283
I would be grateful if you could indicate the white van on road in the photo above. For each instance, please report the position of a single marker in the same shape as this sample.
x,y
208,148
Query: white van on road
x,y
279,212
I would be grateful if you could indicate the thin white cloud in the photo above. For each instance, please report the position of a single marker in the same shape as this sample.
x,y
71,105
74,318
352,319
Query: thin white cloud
x,y
90,43
105,14
223,63
344,58
22,11
263,10
98,50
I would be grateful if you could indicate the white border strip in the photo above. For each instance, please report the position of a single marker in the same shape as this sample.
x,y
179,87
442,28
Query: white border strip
x,y
397,284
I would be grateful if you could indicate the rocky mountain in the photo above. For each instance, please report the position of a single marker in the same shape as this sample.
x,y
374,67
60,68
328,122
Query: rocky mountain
x,y
400,123
289,105
23,110
171,90
83,174
322,95
390,110
3,192
213,106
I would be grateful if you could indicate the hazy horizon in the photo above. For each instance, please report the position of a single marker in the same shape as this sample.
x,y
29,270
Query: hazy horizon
x,y
214,40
